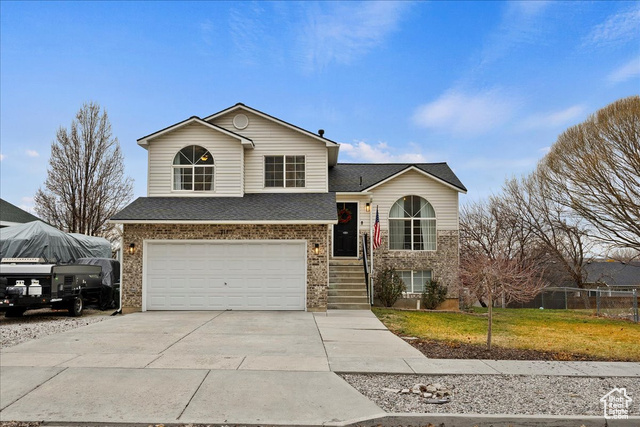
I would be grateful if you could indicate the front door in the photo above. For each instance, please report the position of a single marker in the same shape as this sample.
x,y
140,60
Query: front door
x,y
345,232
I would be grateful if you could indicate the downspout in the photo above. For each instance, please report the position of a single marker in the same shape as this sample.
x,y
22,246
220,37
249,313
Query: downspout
x,y
120,259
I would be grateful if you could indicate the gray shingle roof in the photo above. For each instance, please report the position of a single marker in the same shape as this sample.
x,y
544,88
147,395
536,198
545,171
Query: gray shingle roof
x,y
613,273
312,207
345,177
12,213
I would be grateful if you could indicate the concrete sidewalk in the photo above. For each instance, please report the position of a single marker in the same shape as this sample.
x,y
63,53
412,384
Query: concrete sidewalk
x,y
226,368
357,342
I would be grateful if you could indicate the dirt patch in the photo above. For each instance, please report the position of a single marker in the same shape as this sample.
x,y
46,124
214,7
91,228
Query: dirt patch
x,y
450,350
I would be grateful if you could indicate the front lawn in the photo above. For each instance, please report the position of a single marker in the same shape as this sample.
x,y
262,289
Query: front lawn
x,y
562,332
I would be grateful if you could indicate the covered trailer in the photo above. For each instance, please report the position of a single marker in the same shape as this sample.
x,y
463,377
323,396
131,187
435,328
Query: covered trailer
x,y
28,283
39,240
110,288
40,267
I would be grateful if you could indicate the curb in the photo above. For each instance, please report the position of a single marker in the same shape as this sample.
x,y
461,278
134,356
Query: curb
x,y
415,420
485,420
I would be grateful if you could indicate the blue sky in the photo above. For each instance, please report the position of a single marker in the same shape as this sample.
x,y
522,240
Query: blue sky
x,y
484,86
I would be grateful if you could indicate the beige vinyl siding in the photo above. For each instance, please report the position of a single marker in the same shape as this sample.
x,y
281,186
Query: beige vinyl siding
x,y
443,199
273,139
227,154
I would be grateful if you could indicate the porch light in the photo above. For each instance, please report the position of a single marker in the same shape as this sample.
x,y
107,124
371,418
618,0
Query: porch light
x,y
132,248
316,249
367,207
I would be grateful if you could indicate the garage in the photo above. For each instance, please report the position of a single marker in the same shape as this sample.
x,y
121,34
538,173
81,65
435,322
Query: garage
x,y
224,275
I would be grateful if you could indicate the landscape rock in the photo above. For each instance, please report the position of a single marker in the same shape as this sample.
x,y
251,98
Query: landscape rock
x,y
36,324
494,394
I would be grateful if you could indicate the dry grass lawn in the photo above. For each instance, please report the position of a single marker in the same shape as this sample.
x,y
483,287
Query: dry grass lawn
x,y
558,331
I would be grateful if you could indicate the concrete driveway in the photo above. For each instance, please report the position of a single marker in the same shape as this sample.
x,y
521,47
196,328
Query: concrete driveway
x,y
203,367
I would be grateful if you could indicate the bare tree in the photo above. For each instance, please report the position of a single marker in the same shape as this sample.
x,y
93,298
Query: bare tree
x,y
595,169
86,184
499,277
624,255
562,236
497,256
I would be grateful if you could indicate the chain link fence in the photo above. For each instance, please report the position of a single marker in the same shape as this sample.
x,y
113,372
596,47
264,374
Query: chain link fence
x,y
619,304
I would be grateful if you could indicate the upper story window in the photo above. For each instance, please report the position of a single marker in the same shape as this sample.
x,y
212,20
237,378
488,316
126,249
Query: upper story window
x,y
412,225
284,171
193,169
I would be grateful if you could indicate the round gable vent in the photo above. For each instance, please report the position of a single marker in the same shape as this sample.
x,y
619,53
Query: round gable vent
x,y
240,121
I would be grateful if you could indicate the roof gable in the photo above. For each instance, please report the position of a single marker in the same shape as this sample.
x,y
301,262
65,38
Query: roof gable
x,y
240,106
359,177
144,141
420,171
332,146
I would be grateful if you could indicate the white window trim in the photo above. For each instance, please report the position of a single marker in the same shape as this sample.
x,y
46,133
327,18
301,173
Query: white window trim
x,y
193,166
284,165
410,291
389,218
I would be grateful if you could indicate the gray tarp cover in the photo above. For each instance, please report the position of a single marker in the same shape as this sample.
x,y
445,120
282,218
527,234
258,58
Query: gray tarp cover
x,y
110,269
39,240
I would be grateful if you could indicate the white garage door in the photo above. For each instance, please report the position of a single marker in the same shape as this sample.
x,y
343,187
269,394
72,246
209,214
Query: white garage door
x,y
225,275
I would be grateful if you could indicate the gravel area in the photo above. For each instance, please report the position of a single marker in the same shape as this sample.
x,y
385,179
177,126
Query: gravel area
x,y
35,324
497,394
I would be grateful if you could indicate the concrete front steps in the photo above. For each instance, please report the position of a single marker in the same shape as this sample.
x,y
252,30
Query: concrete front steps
x,y
347,287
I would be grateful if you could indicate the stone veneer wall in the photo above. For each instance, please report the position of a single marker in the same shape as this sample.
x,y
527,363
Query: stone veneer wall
x,y
443,262
317,268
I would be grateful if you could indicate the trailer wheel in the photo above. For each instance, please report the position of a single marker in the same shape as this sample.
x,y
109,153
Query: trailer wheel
x,y
15,312
76,307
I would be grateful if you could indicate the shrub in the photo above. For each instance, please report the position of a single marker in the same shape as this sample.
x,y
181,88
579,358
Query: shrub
x,y
433,294
388,287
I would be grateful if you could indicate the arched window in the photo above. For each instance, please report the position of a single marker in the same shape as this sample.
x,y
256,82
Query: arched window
x,y
193,169
412,225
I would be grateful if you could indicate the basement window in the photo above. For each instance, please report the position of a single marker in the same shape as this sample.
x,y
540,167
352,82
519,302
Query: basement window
x,y
414,279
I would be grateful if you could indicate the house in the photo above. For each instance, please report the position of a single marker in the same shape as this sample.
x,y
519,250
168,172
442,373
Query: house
x,y
245,211
612,274
12,215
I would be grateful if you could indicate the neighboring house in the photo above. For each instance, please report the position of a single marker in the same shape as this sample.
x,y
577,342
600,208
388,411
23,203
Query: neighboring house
x,y
612,274
13,215
246,211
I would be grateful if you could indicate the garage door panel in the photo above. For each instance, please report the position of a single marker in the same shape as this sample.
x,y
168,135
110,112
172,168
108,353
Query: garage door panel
x,y
222,275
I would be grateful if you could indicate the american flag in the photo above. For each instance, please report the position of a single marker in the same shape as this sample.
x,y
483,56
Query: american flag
x,y
376,231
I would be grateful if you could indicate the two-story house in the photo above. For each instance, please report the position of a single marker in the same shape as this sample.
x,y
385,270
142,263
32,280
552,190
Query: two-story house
x,y
245,211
